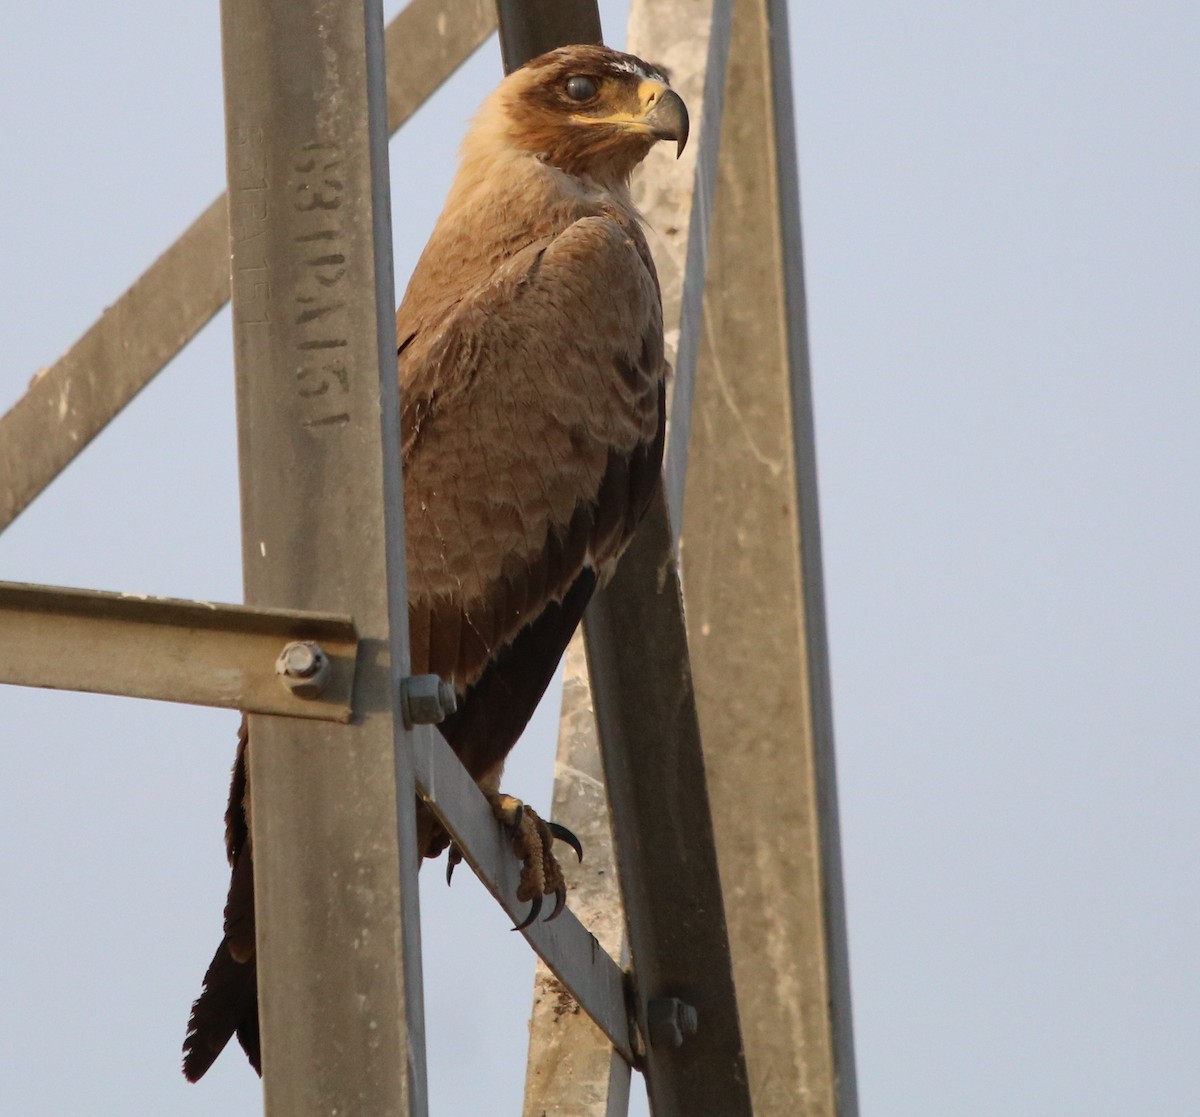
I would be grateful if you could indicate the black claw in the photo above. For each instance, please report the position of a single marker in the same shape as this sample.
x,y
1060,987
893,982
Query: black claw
x,y
534,909
560,902
453,860
565,835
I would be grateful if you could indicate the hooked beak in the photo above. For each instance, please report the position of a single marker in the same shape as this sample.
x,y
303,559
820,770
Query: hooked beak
x,y
666,115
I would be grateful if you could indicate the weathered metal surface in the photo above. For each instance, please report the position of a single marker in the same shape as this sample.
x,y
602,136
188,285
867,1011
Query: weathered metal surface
x,y
73,400
322,504
568,948
177,651
690,38
70,402
751,563
532,27
572,1070
654,769
425,44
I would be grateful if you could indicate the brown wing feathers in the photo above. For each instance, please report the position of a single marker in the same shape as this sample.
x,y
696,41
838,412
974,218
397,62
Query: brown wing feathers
x,y
498,705
503,506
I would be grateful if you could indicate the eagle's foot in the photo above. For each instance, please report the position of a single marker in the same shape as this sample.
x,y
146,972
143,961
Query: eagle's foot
x,y
532,838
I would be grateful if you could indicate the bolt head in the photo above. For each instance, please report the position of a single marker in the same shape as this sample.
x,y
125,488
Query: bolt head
x,y
300,661
303,667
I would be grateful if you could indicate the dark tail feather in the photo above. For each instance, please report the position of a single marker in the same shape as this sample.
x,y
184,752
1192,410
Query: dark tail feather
x,y
228,1004
247,1034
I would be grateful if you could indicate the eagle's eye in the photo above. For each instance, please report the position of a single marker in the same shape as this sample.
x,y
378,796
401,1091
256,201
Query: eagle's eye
x,y
580,88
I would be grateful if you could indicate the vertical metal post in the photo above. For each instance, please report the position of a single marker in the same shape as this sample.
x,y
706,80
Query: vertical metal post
x,y
658,791
751,562
318,416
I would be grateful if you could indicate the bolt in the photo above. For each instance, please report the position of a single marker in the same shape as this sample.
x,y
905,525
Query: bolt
x,y
303,667
669,1020
426,700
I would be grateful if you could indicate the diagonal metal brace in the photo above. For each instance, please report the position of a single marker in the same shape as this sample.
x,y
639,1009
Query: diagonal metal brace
x,y
567,947
197,652
68,404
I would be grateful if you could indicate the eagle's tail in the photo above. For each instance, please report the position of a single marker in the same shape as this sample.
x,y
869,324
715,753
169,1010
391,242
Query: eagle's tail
x,y
228,1003
227,1006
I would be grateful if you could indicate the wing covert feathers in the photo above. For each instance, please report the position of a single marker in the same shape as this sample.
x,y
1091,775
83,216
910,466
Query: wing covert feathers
x,y
525,414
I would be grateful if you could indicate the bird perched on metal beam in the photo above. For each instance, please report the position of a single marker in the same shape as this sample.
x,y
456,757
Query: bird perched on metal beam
x,y
533,380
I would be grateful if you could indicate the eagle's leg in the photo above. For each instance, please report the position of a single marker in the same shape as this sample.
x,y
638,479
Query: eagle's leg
x,y
532,838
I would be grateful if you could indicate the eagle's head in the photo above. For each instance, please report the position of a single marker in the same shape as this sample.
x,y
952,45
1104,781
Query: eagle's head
x,y
590,111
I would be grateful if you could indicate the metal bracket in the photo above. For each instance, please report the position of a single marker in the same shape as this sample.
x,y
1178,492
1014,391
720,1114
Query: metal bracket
x,y
196,652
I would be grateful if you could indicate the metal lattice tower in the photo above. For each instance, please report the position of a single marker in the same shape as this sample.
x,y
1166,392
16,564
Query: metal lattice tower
x,y
708,743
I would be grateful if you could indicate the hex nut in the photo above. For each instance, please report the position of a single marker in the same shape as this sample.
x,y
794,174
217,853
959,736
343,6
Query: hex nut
x,y
669,1020
426,700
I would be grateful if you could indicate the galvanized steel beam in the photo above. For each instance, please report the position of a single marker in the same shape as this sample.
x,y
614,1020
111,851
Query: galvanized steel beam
x,y
176,651
333,818
654,770
69,403
426,42
567,947
73,400
751,561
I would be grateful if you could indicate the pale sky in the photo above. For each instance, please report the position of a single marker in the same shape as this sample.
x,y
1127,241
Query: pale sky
x,y
1002,252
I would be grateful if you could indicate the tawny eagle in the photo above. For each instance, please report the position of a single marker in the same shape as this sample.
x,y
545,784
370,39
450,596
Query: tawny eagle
x,y
532,375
